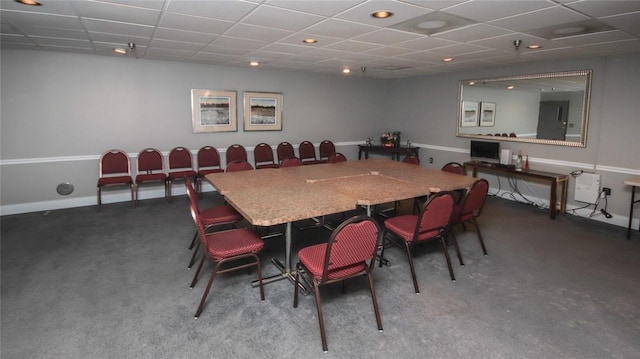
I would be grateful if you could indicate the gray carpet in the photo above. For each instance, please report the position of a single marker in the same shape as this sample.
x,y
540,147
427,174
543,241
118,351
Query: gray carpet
x,y
78,283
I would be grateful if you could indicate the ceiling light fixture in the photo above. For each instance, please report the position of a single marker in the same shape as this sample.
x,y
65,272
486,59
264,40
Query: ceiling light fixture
x,y
346,71
254,63
28,2
310,41
447,59
131,49
534,47
431,24
120,50
510,87
382,14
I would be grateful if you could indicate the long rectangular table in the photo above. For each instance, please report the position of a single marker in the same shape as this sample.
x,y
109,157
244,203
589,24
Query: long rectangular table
x,y
554,180
633,182
269,197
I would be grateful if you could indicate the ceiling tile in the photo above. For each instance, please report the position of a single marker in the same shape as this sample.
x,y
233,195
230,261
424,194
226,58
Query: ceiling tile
x,y
227,10
540,19
281,19
339,29
194,23
114,12
386,37
401,12
602,8
120,28
322,8
259,33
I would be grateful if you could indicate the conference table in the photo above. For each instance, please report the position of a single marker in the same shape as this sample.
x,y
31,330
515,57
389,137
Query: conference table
x,y
269,197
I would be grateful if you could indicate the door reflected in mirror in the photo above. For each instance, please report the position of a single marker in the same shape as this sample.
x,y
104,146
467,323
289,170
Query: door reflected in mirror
x,y
548,108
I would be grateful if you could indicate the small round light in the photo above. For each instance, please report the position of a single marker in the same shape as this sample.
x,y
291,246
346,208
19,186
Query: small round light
x,y
447,59
29,2
471,83
346,71
254,63
534,47
121,51
510,87
309,41
382,14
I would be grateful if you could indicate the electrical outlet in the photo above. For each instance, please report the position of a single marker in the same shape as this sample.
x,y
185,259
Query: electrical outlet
x,y
430,159
607,191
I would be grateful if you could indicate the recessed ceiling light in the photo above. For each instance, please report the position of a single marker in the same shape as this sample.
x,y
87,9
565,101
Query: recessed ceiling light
x,y
447,59
534,47
431,24
309,41
471,83
510,87
346,71
569,30
382,14
254,63
121,51
29,2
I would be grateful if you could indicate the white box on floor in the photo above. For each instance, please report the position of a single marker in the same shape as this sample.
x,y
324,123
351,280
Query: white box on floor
x,y
587,188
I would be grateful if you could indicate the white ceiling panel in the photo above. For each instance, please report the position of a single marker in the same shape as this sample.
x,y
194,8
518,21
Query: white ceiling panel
x,y
234,32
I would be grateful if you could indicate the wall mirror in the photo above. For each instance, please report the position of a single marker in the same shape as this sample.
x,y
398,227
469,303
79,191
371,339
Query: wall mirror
x,y
547,108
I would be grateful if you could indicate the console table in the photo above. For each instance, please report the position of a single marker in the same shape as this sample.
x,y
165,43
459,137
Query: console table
x,y
394,151
554,180
633,182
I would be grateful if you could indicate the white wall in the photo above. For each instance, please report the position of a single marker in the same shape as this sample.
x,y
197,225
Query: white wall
x,y
61,111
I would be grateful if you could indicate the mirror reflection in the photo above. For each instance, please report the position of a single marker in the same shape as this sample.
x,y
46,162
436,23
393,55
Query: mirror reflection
x,y
549,108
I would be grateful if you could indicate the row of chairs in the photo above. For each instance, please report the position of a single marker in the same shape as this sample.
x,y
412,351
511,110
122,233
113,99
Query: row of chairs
x,y
115,166
351,249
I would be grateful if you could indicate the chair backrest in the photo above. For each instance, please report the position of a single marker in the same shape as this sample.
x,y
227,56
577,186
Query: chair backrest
x,y
238,166
208,156
291,162
114,162
149,160
191,192
180,157
263,153
354,241
327,149
236,152
454,167
338,157
474,201
435,216
285,150
307,151
513,134
412,159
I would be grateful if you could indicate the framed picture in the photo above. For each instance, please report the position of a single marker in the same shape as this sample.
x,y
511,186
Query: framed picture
x,y
487,114
262,111
213,111
469,116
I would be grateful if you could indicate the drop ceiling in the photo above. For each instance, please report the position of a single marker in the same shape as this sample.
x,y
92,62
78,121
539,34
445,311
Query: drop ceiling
x,y
271,32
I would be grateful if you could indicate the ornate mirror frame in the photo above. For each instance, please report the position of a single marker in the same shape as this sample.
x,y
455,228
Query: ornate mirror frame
x,y
488,107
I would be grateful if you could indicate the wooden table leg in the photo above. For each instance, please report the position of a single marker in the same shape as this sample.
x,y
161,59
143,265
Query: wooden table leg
x,y
633,199
553,199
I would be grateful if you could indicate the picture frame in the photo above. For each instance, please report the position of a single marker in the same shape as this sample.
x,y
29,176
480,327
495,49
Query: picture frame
x,y
213,111
487,114
469,114
263,111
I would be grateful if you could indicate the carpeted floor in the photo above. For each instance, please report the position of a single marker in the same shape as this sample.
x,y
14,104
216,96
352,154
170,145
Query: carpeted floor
x,y
79,283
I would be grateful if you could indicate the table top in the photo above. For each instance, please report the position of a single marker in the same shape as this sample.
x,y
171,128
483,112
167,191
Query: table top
x,y
633,181
529,172
268,197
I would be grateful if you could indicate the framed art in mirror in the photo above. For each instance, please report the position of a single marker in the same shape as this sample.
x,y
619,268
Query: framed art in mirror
x,y
545,108
262,111
213,111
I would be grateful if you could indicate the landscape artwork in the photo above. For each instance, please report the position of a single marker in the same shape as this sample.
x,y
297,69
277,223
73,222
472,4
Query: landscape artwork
x,y
262,111
213,111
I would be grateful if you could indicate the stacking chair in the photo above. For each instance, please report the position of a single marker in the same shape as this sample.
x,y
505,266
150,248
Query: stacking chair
x,y
433,222
291,162
229,250
308,153
285,150
470,208
180,167
338,157
211,217
327,149
411,159
238,165
454,167
150,165
263,156
115,170
208,162
236,153
350,252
